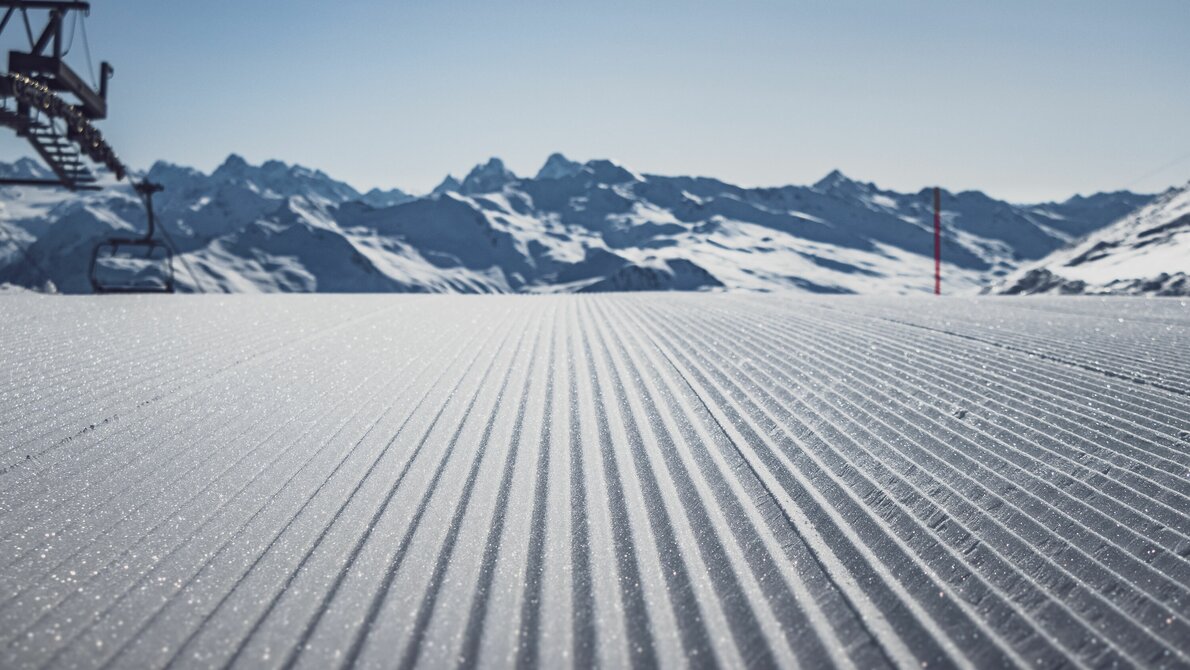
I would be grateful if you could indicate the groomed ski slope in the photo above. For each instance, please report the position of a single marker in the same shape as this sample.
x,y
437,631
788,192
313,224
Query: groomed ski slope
x,y
626,480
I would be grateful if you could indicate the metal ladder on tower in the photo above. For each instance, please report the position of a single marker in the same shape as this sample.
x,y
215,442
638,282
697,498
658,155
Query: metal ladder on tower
x,y
46,102
61,155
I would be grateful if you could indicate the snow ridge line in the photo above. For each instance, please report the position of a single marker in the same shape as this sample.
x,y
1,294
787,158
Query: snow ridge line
x,y
1145,475
726,603
364,478
584,623
225,503
154,361
1179,389
530,624
1121,348
1146,557
805,471
473,631
228,501
261,555
1039,372
684,606
430,598
65,368
818,639
920,468
359,637
203,376
638,626
716,480
940,373
97,470
146,501
892,645
1150,401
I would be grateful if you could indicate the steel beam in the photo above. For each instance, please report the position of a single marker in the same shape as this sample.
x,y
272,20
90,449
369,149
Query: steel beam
x,y
64,5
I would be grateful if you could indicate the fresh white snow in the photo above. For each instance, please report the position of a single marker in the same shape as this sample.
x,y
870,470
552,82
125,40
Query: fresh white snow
x,y
575,226
721,479
1147,251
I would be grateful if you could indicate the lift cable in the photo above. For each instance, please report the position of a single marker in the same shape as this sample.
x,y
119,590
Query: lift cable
x,y
74,21
28,257
87,49
64,136
1156,171
180,256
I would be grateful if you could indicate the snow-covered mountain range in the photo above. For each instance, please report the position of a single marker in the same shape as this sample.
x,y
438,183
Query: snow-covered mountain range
x,y
1146,252
590,226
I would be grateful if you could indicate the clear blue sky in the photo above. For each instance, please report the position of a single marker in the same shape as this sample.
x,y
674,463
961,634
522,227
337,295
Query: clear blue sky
x,y
1026,100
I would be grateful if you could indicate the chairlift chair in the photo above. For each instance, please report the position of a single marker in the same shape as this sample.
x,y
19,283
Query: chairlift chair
x,y
61,131
134,264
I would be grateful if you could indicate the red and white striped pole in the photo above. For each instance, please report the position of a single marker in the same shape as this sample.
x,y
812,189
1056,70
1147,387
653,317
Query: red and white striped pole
x,y
937,241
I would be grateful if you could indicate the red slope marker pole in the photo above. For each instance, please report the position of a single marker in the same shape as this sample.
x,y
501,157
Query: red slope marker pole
x,y
937,241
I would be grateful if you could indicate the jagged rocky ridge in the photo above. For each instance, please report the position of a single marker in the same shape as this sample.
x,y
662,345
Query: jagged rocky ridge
x,y
1144,253
590,226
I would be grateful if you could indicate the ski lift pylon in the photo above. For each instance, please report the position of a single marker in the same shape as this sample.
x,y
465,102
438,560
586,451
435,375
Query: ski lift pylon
x,y
63,135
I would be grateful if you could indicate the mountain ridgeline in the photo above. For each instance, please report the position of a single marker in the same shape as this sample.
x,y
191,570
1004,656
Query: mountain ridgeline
x,y
593,226
1146,252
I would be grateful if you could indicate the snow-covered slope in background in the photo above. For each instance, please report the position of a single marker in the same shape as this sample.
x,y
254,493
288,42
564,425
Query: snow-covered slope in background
x,y
574,226
1146,252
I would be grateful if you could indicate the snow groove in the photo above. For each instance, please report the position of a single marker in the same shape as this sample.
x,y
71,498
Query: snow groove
x,y
928,517
617,480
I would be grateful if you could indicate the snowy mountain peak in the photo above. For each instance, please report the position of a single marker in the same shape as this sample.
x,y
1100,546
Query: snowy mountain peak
x,y
1143,252
25,168
487,177
278,179
285,227
831,179
174,178
558,166
1095,199
838,183
279,170
609,172
379,198
233,165
449,184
